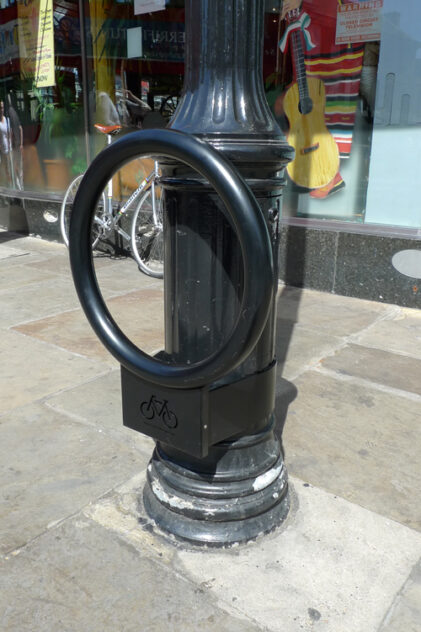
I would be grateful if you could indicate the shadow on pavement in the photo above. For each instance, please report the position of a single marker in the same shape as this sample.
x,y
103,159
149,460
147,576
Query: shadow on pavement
x,y
8,235
289,302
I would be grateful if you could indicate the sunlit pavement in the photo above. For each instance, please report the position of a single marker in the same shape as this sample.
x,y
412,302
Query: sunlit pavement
x,y
78,553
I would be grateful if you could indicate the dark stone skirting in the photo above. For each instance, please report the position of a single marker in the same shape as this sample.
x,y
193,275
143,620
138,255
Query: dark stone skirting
x,y
346,263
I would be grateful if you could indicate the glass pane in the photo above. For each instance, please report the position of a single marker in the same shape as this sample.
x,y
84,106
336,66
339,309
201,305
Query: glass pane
x,y
393,194
320,107
42,125
136,66
345,87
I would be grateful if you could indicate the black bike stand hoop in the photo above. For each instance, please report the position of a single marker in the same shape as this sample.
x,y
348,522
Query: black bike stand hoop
x,y
247,220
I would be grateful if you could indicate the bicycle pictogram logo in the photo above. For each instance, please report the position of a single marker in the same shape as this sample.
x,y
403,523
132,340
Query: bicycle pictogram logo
x,y
155,409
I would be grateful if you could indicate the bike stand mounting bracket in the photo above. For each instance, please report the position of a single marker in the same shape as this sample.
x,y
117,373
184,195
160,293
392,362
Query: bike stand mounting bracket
x,y
192,420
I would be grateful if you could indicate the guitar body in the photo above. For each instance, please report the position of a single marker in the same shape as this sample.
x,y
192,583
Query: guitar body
x,y
316,152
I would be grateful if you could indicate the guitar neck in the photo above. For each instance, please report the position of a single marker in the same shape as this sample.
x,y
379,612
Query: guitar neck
x,y
299,65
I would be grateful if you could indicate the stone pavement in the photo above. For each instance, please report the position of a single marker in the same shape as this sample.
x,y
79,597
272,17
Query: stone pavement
x,y
79,554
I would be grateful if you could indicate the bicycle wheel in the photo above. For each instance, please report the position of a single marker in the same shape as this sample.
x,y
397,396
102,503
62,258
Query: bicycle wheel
x,y
147,410
147,235
66,210
169,419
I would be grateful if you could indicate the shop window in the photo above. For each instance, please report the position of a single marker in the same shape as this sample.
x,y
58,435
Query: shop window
x,y
346,90
341,76
131,74
136,58
42,124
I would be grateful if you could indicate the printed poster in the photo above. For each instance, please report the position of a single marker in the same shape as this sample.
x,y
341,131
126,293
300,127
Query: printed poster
x,y
359,22
36,41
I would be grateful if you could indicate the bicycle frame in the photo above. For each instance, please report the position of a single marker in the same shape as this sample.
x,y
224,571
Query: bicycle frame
x,y
111,221
146,247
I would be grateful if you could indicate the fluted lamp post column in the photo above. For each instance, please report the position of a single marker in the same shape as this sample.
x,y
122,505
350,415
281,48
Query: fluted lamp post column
x,y
239,489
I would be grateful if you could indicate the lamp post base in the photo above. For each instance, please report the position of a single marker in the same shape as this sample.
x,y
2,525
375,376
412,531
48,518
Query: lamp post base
x,y
237,493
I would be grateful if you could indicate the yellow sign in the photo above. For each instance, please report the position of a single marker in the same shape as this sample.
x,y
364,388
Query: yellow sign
x,y
36,41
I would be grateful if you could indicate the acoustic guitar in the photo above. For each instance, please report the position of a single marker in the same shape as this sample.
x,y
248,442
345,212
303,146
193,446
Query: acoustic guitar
x,y
316,152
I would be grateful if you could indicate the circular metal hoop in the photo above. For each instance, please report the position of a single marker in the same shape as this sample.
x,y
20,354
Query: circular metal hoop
x,y
247,220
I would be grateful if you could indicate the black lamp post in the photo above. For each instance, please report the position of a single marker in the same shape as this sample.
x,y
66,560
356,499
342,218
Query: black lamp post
x,y
239,489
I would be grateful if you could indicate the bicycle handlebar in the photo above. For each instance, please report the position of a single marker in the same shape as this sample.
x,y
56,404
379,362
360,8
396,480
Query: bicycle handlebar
x,y
247,220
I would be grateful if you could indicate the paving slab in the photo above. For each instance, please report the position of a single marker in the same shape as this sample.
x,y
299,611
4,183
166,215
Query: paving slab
x,y
50,467
70,332
98,404
376,365
32,370
32,244
37,300
82,577
21,276
405,612
8,252
298,348
358,442
329,313
20,258
139,314
333,566
123,275
57,262
400,334
116,275
80,553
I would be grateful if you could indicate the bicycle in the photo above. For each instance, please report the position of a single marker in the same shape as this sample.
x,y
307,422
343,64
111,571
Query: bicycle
x,y
145,241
